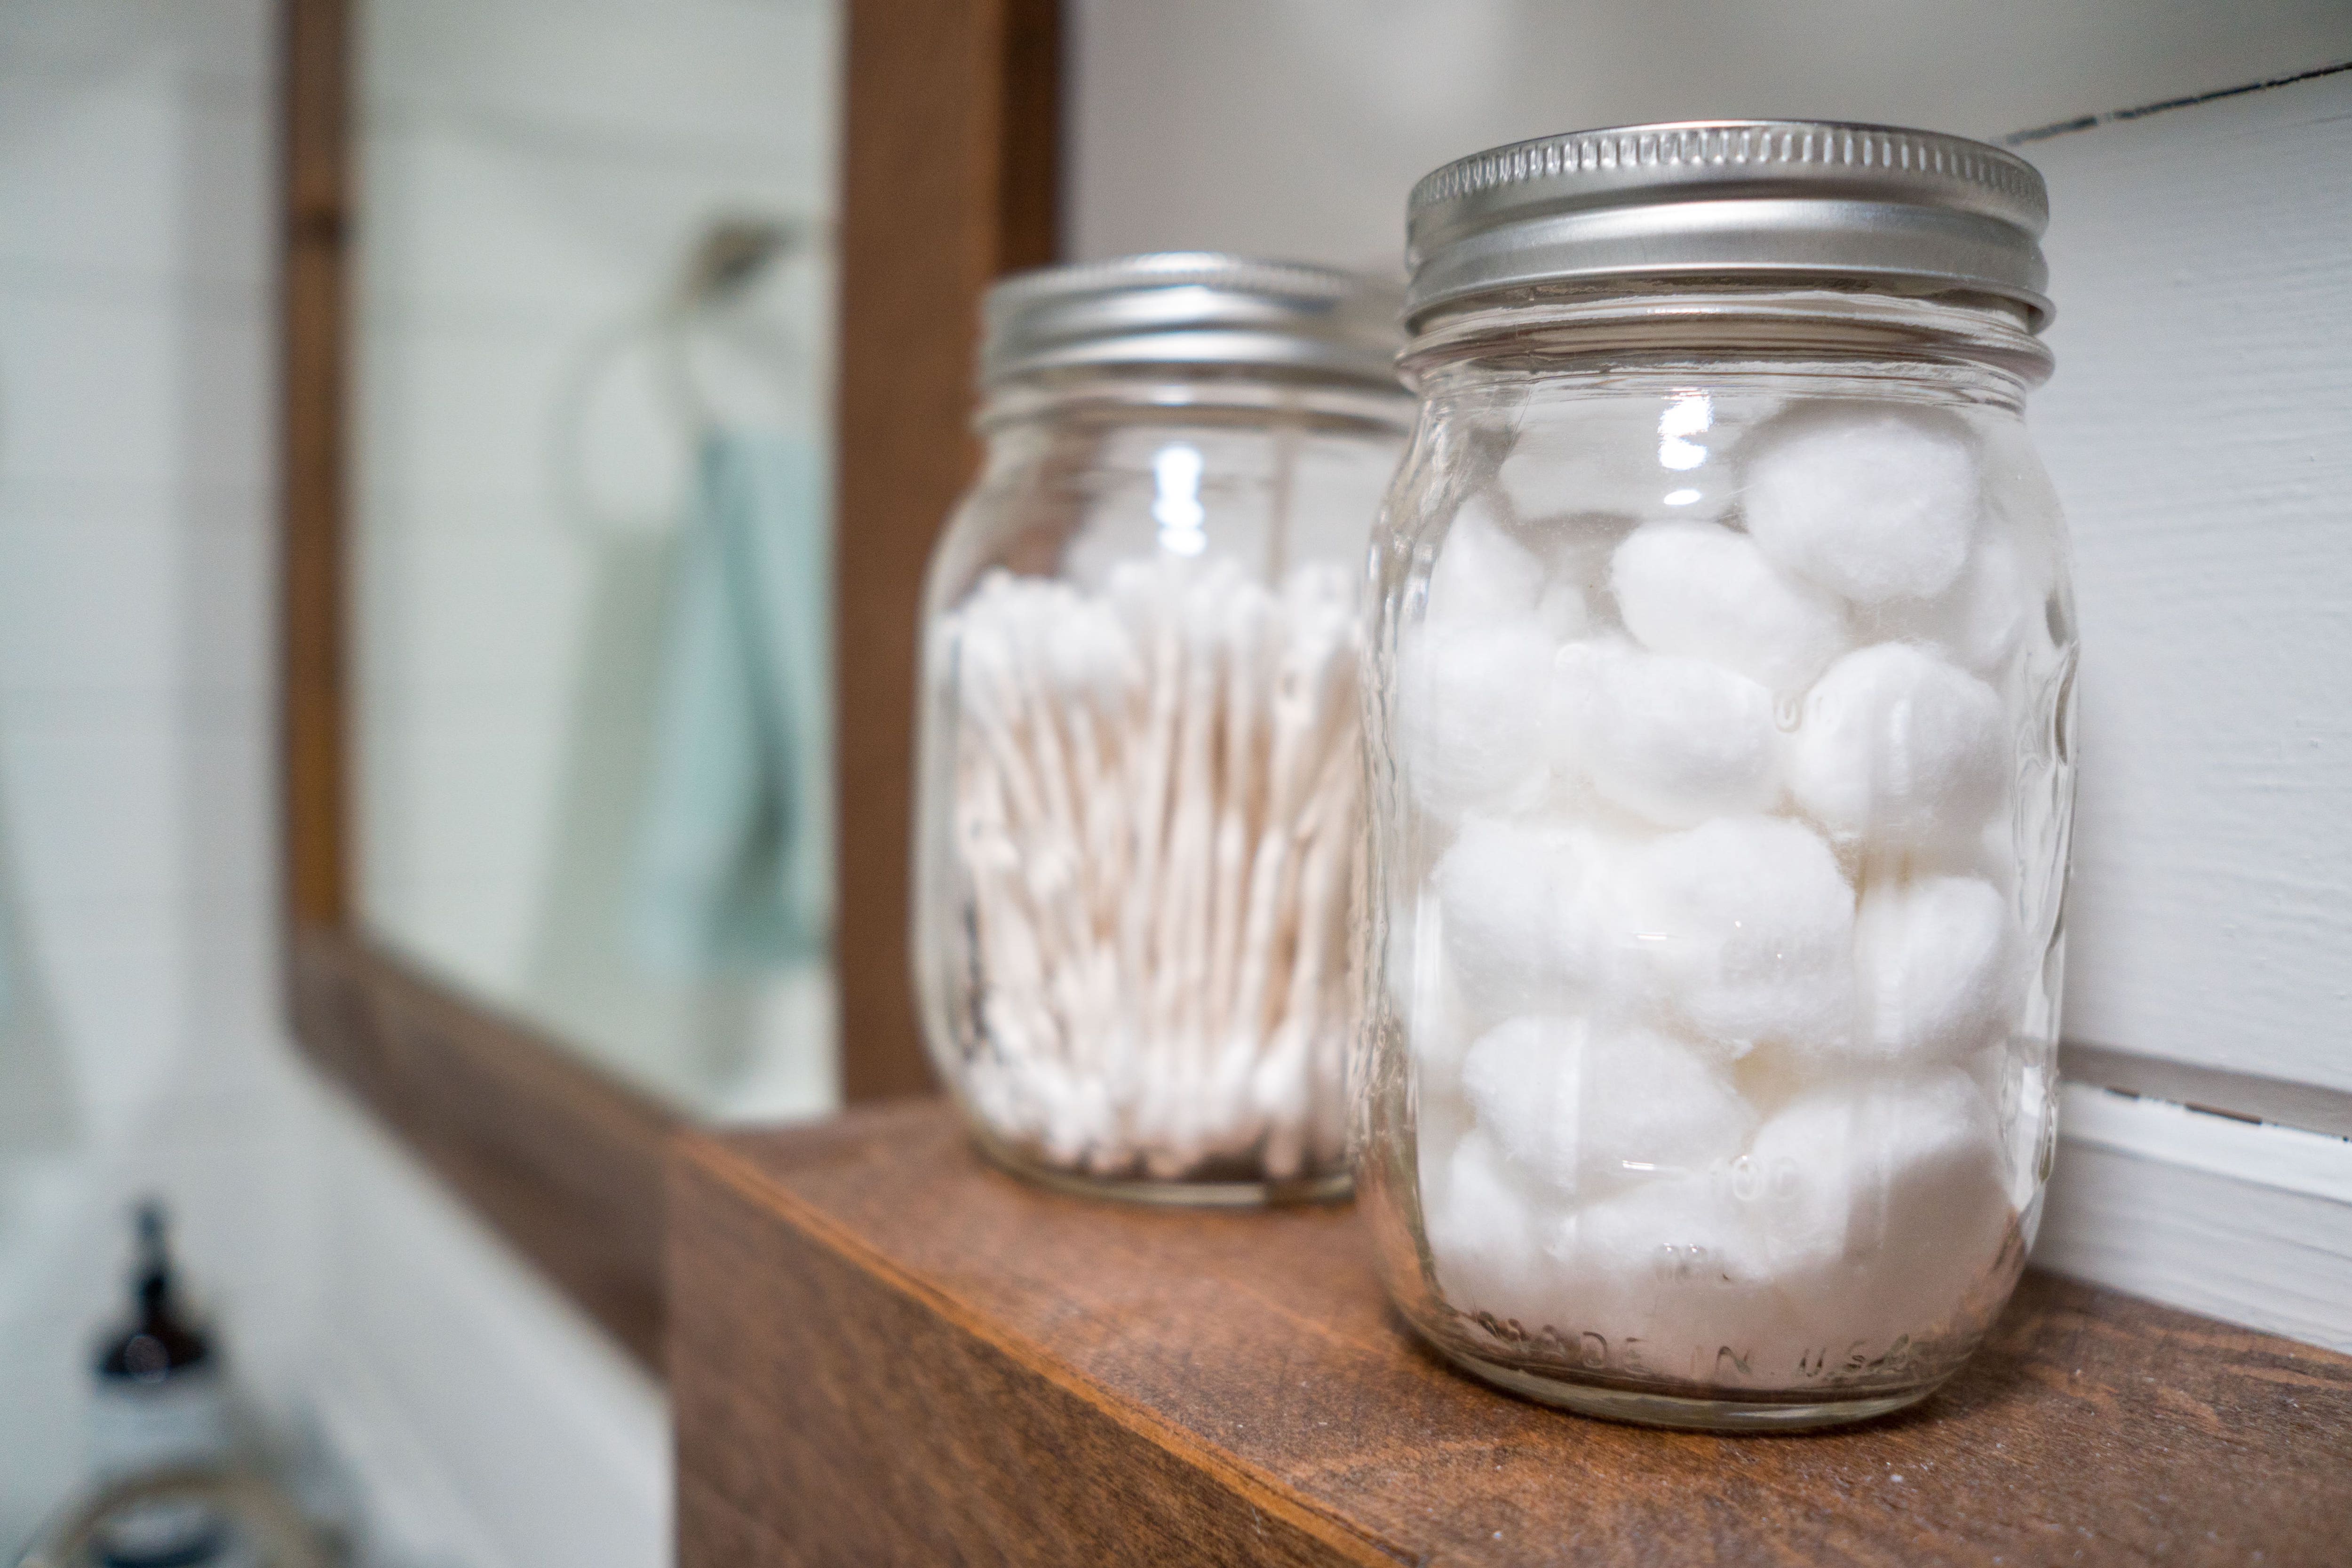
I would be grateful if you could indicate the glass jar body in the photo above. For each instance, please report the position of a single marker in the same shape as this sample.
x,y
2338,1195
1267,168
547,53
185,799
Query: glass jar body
x,y
1139,828
1718,720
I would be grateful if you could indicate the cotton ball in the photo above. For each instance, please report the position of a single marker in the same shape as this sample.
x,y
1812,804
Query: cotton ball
x,y
1667,1273
1435,1018
1576,548
1473,733
1898,747
1878,1206
1522,912
1695,588
1674,741
1579,1110
1745,929
1980,619
1873,503
1936,960
1483,1237
1770,1075
1482,574
1563,611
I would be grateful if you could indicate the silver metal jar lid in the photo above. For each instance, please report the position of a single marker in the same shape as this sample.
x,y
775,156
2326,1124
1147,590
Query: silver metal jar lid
x,y
1785,198
1197,309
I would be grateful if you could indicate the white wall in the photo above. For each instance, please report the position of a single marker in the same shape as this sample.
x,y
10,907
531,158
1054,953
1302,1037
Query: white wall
x,y
140,1042
1294,128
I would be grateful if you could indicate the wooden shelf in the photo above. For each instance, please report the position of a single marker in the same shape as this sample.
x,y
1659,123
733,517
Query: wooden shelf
x,y
883,1352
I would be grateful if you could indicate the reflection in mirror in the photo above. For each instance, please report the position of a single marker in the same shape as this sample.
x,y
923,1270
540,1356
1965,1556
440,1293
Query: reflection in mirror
x,y
591,493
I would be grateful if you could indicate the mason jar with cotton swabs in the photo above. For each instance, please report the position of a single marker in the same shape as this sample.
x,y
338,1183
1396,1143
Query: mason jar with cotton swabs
x,y
1137,857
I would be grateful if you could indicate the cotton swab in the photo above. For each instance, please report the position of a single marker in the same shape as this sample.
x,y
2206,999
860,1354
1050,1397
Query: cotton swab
x,y
1157,820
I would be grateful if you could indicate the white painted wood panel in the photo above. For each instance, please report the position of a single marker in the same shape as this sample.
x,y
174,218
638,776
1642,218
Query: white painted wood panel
x,y
2241,1221
2200,429
1296,129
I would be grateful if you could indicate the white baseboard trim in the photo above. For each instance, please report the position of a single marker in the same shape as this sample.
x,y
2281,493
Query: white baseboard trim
x,y
2238,1220
2288,1158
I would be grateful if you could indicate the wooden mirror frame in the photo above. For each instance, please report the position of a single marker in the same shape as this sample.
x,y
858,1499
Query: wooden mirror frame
x,y
949,177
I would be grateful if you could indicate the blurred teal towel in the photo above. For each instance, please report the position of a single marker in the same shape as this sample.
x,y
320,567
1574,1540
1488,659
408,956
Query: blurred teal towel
x,y
735,865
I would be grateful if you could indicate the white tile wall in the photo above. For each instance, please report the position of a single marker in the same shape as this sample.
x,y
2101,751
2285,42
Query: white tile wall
x,y
140,1047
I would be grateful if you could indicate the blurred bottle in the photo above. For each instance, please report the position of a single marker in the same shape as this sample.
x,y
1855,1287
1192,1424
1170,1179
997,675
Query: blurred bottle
x,y
160,1403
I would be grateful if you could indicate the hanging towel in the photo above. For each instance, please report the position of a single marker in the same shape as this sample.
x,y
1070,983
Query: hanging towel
x,y
735,861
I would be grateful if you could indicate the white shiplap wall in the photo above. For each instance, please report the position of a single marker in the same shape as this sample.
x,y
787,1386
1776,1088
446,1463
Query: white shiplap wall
x,y
2197,431
1296,129
2200,429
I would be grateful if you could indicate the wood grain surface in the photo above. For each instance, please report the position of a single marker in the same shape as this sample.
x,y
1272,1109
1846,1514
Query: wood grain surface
x,y
314,225
883,1352
948,181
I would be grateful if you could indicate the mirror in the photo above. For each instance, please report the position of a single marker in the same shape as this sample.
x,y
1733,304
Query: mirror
x,y
590,582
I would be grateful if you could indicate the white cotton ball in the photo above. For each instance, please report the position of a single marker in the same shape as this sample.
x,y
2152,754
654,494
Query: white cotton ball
x,y
1744,929
1473,731
1700,589
1900,747
1481,575
1483,1237
1674,741
1936,961
1979,622
1428,994
1872,502
1563,611
1523,913
1666,1273
1580,1111
1878,1206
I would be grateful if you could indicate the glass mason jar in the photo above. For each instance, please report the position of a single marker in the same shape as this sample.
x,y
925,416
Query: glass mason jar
x,y
1139,833
1719,716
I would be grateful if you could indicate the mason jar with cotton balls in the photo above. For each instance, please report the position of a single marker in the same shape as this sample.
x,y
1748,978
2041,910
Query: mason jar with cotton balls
x,y
1719,717
1138,852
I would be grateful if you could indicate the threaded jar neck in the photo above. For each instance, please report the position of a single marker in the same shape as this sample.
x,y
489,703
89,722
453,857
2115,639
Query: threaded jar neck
x,y
1586,328
1151,394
